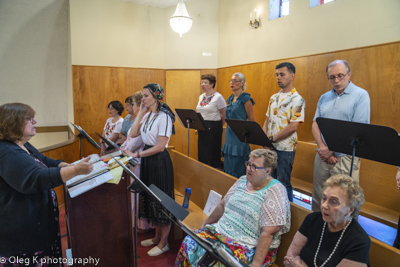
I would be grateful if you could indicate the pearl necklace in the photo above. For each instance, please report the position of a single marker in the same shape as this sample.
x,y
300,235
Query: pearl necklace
x,y
334,249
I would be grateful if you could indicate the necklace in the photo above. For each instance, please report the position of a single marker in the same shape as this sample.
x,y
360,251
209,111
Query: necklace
x,y
334,249
147,123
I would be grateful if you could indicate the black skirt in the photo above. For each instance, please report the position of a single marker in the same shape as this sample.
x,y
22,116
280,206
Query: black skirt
x,y
209,144
156,169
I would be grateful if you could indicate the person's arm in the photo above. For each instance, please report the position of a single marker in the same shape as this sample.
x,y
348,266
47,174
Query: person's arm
x,y
292,258
135,129
287,131
249,110
215,215
83,167
121,138
223,115
323,151
350,263
264,242
363,109
114,137
159,147
265,126
398,178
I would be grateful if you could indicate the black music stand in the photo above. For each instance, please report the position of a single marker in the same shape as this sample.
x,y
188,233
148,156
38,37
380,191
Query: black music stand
x,y
191,120
213,251
111,144
249,132
82,134
373,142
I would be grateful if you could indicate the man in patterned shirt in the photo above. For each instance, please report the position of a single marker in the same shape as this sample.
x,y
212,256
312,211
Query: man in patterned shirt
x,y
285,112
346,102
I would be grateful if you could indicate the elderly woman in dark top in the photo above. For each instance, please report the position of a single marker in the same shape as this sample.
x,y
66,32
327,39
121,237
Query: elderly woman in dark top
x,y
29,227
332,237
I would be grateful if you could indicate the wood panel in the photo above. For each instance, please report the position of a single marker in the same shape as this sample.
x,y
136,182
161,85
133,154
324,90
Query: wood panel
x,y
376,69
95,87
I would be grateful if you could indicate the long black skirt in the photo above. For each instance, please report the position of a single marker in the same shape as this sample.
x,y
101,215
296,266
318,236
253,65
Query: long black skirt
x,y
158,170
209,144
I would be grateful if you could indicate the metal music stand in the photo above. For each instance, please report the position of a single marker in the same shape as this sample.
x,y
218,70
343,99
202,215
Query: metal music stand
x,y
373,142
82,134
213,251
249,132
191,120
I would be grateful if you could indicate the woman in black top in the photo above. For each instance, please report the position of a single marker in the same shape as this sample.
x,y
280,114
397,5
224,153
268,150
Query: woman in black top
x,y
29,227
332,237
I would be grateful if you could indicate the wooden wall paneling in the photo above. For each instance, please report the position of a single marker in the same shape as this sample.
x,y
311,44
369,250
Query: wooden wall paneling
x,y
183,91
95,87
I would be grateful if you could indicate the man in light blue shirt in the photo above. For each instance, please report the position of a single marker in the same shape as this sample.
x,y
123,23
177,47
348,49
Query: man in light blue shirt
x,y
347,102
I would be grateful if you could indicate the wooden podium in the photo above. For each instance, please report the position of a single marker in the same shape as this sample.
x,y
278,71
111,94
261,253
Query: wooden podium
x,y
99,224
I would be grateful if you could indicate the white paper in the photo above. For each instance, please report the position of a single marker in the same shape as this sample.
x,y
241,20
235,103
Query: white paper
x,y
212,202
90,184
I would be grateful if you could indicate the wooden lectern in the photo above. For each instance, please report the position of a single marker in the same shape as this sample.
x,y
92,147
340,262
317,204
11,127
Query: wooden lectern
x,y
99,224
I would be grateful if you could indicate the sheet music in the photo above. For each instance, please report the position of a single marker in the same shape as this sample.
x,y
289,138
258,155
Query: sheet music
x,y
90,184
98,167
212,202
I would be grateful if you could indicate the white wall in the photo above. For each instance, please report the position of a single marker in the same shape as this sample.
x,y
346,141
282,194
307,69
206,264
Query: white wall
x,y
338,25
116,33
33,56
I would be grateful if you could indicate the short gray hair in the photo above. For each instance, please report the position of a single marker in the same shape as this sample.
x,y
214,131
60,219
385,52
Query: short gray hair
x,y
270,158
242,79
355,194
338,61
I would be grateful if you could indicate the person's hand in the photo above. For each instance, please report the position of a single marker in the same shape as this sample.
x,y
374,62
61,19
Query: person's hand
x,y
119,142
265,147
398,178
84,166
331,160
324,153
143,107
127,152
292,262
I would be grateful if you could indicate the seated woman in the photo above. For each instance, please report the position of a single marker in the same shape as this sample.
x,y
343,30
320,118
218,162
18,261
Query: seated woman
x,y
332,237
250,219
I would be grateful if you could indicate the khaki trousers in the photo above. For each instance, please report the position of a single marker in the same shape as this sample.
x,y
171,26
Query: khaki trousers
x,y
323,171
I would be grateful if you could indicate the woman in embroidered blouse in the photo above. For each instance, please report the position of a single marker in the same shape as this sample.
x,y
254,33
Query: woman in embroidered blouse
x,y
240,107
250,218
154,123
113,125
212,107
332,237
29,225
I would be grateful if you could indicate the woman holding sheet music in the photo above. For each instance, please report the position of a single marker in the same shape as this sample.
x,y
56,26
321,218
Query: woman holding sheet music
x,y
154,123
29,226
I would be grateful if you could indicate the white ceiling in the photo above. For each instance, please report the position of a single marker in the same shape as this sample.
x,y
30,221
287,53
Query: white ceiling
x,y
155,3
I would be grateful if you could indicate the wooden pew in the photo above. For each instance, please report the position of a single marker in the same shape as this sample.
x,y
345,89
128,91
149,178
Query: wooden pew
x,y
377,180
202,178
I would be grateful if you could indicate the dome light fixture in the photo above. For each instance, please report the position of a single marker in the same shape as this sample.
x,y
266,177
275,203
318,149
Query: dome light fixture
x,y
181,22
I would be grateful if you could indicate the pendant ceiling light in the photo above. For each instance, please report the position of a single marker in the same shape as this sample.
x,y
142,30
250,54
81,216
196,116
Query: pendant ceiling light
x,y
181,22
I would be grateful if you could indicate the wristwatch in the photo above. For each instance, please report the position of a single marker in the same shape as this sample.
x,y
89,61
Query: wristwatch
x,y
271,139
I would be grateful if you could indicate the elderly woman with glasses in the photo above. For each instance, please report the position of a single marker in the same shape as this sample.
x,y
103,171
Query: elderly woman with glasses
x,y
332,237
240,107
250,219
29,224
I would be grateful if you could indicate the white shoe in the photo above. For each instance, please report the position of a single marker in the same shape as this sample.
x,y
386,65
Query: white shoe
x,y
147,243
156,251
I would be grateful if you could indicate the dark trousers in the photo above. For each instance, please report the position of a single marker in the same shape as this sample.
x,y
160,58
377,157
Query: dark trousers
x,y
209,144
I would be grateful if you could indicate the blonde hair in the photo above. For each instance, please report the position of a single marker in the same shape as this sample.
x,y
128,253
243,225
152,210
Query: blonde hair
x,y
270,158
355,194
137,98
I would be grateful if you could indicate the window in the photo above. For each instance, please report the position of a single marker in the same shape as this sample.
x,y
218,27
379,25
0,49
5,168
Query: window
x,y
314,3
278,8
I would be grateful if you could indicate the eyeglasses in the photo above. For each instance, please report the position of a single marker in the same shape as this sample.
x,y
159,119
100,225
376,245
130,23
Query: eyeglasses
x,y
253,167
234,81
204,83
339,77
32,120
